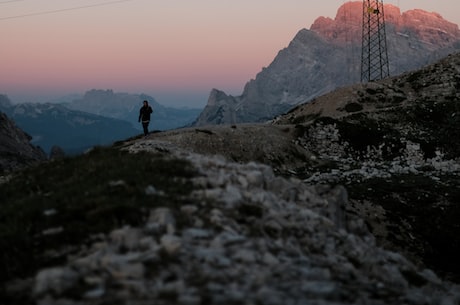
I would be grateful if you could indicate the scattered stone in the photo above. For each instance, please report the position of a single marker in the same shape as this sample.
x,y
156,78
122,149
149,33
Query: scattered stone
x,y
269,241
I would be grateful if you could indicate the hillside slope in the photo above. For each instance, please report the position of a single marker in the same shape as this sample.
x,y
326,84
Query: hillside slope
x,y
357,203
390,143
16,151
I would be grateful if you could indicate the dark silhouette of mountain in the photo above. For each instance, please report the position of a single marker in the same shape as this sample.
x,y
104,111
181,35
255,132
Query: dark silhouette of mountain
x,y
16,151
125,106
328,56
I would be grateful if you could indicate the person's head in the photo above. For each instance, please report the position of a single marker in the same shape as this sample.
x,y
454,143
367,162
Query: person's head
x,y
146,103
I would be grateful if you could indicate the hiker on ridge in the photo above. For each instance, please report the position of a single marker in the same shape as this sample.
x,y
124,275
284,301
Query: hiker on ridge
x,y
144,117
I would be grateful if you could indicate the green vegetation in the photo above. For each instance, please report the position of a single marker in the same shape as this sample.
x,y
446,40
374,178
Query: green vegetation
x,y
426,208
439,122
50,210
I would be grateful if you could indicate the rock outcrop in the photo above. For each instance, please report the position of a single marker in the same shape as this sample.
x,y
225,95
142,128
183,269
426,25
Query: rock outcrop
x,y
430,28
392,141
251,238
16,151
328,56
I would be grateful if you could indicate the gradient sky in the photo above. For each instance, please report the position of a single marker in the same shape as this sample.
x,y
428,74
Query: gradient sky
x,y
174,50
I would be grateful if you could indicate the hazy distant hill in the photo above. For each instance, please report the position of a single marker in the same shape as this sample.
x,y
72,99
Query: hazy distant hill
x,y
126,107
328,56
73,131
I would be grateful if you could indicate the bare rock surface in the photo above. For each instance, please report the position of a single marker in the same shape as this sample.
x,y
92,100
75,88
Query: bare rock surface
x,y
390,143
253,238
350,199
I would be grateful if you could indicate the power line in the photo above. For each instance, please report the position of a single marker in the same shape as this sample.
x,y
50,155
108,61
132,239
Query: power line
x,y
60,10
1,2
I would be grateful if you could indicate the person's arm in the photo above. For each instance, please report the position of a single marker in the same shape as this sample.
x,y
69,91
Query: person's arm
x,y
140,115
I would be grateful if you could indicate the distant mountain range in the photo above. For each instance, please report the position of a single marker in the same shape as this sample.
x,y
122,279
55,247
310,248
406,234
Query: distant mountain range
x,y
125,106
316,61
99,118
328,56
55,125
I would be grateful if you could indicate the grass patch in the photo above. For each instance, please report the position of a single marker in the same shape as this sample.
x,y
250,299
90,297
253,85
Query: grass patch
x,y
79,197
440,122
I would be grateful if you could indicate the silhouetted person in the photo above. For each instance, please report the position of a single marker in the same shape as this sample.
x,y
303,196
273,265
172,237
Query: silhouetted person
x,y
144,117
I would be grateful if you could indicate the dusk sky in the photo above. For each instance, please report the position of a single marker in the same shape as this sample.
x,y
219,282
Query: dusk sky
x,y
173,50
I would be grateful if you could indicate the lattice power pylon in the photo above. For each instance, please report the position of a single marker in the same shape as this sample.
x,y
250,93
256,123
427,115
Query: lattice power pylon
x,y
374,56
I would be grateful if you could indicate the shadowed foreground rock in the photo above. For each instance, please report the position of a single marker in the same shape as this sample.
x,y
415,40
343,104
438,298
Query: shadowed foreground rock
x,y
15,149
248,237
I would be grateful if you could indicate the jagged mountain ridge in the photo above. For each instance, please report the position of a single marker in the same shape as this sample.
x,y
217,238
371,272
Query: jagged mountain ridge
x,y
326,57
125,106
429,28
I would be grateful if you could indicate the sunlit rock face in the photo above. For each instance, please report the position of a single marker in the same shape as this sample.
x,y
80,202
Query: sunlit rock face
x,y
428,27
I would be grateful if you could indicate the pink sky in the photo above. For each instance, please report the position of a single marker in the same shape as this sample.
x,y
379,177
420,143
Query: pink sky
x,y
174,50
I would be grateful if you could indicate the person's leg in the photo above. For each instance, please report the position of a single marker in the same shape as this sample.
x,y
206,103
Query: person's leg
x,y
146,128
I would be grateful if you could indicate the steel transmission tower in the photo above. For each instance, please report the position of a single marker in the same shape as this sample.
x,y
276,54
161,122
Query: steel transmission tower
x,y
374,56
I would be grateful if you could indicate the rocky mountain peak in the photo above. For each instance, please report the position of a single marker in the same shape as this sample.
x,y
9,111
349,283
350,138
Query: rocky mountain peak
x,y
344,27
429,27
327,57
